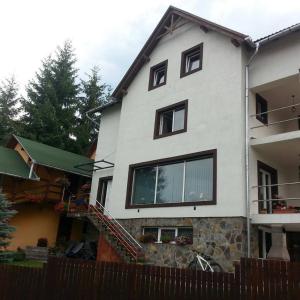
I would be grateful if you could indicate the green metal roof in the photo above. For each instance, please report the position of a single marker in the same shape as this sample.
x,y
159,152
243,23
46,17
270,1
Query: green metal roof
x,y
54,158
12,164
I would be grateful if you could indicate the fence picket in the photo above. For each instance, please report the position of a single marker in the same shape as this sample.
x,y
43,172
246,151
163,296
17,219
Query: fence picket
x,y
253,279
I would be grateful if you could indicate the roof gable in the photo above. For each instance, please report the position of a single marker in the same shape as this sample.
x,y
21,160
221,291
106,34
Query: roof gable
x,y
12,164
168,23
52,157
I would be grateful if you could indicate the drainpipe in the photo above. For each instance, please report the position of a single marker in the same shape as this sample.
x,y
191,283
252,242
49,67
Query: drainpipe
x,y
248,206
31,169
91,119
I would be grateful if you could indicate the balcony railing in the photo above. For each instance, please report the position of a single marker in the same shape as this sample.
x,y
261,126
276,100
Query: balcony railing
x,y
279,120
277,204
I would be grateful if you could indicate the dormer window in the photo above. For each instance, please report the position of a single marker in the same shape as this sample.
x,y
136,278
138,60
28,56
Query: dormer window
x,y
158,75
171,120
191,60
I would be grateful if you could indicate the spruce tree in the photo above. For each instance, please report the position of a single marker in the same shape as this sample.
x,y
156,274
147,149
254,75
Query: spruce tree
x,y
5,230
51,102
9,109
94,94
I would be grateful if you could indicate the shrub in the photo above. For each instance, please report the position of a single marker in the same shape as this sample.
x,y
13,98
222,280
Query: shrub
x,y
184,240
147,238
19,255
42,242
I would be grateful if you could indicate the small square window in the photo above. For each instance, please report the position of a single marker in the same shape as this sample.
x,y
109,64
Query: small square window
x,y
261,109
158,75
191,60
171,120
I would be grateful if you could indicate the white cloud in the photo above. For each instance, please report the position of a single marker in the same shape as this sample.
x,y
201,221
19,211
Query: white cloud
x,y
111,33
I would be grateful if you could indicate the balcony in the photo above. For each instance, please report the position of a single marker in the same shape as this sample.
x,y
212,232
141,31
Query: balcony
x,y
275,182
275,112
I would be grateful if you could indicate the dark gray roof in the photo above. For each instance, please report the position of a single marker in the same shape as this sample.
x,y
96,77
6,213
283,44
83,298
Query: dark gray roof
x,y
278,34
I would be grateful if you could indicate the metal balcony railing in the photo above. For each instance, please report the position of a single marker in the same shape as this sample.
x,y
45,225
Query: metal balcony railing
x,y
272,111
277,204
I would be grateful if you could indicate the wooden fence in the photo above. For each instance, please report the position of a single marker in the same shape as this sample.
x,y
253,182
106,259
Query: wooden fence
x,y
73,279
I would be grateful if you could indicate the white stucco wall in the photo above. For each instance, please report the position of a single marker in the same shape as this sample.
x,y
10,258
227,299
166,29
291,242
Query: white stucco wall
x,y
284,175
215,121
107,144
276,60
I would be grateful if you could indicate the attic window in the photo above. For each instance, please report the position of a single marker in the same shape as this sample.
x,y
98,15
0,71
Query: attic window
x,y
158,75
191,60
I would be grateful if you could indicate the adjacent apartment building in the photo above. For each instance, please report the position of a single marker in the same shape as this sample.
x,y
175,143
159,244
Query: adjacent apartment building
x,y
202,139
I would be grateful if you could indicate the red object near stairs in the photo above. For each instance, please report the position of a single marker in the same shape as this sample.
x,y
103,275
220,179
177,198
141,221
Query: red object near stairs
x,y
116,233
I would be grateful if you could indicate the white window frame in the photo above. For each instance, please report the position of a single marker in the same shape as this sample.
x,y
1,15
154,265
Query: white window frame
x,y
161,121
188,60
155,84
163,228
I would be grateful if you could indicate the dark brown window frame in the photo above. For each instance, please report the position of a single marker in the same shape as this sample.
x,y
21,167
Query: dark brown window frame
x,y
274,180
101,181
151,75
263,102
192,156
183,60
159,111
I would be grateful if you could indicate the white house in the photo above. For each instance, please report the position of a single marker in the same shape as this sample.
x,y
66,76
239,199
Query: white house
x,y
181,153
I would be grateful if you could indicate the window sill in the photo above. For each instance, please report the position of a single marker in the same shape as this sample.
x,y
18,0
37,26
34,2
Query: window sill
x,y
197,203
190,72
155,87
169,134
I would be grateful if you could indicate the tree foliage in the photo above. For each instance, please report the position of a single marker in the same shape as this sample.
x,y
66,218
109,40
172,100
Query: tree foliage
x,y
50,105
9,109
5,230
56,103
94,94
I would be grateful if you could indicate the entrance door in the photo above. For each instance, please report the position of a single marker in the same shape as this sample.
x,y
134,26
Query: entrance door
x,y
104,189
267,180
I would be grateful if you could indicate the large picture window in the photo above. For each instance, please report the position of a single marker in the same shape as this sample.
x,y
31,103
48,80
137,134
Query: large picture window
x,y
185,180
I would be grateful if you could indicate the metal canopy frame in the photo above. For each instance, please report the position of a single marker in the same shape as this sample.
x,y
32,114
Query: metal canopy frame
x,y
94,167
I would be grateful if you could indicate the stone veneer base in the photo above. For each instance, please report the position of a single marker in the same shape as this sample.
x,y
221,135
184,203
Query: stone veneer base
x,y
223,238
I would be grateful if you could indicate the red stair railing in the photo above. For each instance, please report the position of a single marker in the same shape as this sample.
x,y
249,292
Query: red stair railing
x,y
128,242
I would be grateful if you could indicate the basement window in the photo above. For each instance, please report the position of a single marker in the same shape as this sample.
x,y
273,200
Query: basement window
x,y
191,60
171,233
158,75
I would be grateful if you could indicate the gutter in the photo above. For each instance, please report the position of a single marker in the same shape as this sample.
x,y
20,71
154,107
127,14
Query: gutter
x,y
100,108
278,35
257,45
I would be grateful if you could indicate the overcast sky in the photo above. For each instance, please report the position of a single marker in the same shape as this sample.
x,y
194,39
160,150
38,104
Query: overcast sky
x,y
111,33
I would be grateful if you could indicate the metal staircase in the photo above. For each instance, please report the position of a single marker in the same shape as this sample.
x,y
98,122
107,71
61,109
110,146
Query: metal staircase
x,y
122,241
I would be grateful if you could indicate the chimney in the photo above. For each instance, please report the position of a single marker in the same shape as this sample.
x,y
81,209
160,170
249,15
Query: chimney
x,y
279,248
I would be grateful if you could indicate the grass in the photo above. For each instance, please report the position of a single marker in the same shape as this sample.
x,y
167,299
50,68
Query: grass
x,y
27,263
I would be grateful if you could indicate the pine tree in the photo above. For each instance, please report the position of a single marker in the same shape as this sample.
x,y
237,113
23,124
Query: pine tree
x,y
94,94
9,109
5,230
51,103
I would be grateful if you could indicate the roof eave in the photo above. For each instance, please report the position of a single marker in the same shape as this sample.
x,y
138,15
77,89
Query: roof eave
x,y
121,88
278,35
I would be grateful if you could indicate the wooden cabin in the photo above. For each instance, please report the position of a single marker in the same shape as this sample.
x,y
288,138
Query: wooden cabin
x,y
40,180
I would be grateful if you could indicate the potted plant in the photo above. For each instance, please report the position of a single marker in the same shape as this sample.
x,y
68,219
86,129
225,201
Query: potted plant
x,y
166,239
184,240
147,238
